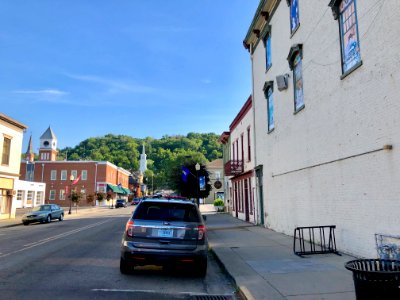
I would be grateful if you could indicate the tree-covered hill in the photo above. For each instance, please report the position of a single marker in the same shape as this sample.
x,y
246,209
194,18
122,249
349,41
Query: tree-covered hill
x,y
163,155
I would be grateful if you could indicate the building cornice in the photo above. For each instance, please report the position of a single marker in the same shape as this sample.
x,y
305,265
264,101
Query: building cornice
x,y
224,137
239,117
13,122
263,15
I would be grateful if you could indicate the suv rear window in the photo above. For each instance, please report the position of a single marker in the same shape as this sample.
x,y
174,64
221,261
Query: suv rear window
x,y
166,211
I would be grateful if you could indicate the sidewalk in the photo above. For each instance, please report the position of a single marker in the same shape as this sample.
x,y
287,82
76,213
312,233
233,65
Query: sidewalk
x,y
20,211
263,265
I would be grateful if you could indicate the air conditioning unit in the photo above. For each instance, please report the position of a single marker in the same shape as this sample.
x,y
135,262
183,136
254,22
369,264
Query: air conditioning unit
x,y
282,82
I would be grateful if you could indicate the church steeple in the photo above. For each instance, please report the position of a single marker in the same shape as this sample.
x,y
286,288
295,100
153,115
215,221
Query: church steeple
x,y
143,161
29,155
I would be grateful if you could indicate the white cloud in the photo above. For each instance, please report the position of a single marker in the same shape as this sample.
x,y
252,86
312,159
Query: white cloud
x,y
113,85
50,92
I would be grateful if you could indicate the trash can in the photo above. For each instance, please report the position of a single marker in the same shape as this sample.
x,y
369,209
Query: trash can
x,y
375,278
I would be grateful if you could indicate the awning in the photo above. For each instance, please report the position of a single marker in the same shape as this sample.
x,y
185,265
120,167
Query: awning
x,y
127,191
118,190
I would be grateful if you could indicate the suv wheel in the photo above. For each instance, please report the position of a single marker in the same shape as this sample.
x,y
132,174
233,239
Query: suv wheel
x,y
201,268
124,267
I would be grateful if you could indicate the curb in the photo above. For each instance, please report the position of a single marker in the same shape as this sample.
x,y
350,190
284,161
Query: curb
x,y
241,291
11,225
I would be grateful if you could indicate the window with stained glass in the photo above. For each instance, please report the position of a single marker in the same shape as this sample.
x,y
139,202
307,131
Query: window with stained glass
x,y
268,58
298,83
270,109
349,35
294,15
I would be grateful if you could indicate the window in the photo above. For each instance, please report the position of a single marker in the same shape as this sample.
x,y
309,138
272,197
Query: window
x,y
52,195
53,175
62,194
268,90
39,198
166,211
84,175
237,150
44,156
268,59
270,110
242,145
63,174
294,15
350,45
248,145
5,158
20,195
74,173
30,171
295,63
29,197
298,83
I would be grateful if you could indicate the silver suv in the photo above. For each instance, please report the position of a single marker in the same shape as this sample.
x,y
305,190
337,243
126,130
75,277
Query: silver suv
x,y
165,232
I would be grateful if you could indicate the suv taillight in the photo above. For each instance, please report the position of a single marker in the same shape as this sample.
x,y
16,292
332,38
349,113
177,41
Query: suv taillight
x,y
129,228
202,231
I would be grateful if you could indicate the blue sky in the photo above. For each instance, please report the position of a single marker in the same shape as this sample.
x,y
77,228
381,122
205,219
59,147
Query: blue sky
x,y
134,67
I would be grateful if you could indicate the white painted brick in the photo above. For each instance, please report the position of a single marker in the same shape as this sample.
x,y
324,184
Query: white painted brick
x,y
360,113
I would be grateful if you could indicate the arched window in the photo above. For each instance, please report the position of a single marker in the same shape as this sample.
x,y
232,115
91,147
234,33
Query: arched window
x,y
346,13
295,58
268,92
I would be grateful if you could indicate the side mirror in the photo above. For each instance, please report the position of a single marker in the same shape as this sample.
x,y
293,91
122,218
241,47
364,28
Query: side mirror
x,y
204,217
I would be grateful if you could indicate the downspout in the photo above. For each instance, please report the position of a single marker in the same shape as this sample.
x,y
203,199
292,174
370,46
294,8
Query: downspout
x,y
42,171
95,181
256,203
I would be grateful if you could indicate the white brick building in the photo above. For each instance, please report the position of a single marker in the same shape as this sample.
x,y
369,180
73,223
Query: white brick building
x,y
324,136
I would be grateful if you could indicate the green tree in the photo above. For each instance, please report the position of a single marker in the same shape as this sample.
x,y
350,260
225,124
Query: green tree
x,y
165,155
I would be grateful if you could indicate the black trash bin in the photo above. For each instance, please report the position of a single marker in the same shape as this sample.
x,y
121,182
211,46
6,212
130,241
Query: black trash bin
x,y
375,278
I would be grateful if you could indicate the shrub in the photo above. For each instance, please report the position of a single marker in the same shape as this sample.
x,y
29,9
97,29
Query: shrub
x,y
219,202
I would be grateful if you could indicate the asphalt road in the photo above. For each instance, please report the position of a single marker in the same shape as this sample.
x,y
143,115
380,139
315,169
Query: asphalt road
x,y
78,258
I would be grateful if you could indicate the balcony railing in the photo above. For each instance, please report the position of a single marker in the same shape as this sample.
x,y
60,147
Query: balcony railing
x,y
233,167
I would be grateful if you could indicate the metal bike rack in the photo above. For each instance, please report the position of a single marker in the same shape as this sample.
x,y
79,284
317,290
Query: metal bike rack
x,y
315,240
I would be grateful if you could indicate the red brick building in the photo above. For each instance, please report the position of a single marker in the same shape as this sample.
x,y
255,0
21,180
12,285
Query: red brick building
x,y
85,177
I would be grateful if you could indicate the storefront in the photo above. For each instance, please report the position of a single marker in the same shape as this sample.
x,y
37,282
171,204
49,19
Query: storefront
x,y
6,194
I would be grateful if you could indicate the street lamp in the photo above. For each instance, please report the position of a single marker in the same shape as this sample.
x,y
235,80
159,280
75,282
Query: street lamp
x,y
71,179
197,167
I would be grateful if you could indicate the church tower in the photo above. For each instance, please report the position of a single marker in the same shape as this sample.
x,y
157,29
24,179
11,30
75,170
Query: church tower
x,y
48,146
143,161
29,155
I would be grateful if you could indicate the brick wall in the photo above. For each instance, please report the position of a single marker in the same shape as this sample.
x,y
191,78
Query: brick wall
x,y
96,172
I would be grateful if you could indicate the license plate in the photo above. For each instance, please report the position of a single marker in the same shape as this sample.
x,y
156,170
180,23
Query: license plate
x,y
165,232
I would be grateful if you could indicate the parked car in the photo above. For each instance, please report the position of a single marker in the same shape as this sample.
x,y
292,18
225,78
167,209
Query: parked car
x,y
136,201
120,203
43,213
165,232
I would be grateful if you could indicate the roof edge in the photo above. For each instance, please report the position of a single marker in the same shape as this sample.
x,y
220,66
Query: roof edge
x,y
12,121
